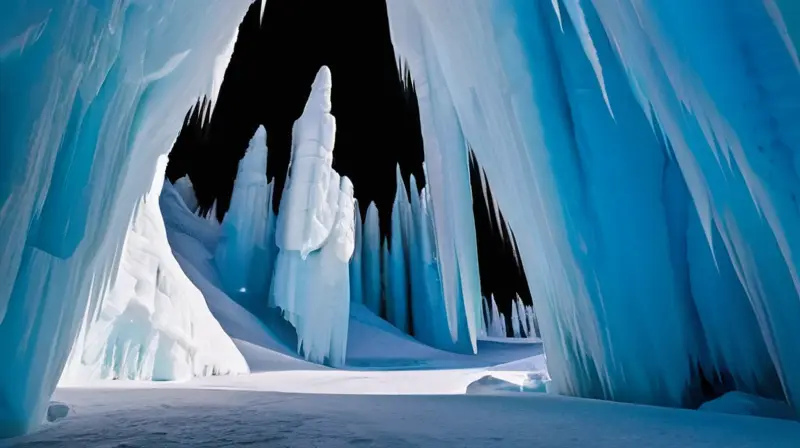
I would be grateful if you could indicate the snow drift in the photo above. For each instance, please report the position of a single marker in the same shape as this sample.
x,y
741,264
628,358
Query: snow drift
x,y
153,323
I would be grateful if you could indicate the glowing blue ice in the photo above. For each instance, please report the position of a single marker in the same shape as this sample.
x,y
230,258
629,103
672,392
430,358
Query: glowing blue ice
x,y
371,260
246,251
92,92
589,158
397,271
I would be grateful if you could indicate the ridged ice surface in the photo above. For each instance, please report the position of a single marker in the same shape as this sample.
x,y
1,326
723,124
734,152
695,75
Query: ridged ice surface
x,y
92,92
152,323
315,235
401,280
523,320
644,153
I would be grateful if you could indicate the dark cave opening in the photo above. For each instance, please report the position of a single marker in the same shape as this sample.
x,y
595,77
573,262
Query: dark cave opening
x,y
267,82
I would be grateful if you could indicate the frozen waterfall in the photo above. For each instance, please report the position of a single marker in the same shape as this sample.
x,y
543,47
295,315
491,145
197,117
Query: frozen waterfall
x,y
643,153
93,92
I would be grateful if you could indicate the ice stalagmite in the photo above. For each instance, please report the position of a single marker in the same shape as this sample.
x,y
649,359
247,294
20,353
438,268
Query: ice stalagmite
x,y
92,93
356,266
495,321
246,250
371,260
447,166
397,269
419,306
185,189
315,235
523,320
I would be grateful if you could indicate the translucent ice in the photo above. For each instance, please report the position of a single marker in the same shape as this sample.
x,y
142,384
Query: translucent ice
x,y
590,124
246,250
722,82
371,260
92,93
397,296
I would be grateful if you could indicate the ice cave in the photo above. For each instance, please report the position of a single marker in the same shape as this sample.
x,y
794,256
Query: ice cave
x,y
560,223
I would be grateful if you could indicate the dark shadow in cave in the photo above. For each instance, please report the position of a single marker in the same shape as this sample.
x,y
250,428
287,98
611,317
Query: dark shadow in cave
x,y
501,270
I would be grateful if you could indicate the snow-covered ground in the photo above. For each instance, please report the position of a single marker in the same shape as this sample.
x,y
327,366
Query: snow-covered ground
x,y
393,392
409,408
444,400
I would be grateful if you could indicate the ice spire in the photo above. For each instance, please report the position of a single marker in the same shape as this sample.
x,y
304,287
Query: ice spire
x,y
371,259
356,266
313,138
315,235
245,248
397,271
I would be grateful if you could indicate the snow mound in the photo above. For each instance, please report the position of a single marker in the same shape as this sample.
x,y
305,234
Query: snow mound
x,y
748,404
153,323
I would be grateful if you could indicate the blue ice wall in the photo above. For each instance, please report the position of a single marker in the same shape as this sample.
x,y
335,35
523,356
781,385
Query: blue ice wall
x,y
91,93
722,80
644,156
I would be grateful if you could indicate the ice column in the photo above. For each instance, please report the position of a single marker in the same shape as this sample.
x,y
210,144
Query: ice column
x,y
246,249
371,260
397,269
316,235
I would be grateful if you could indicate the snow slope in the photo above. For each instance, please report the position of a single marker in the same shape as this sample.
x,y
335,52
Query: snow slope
x,y
153,323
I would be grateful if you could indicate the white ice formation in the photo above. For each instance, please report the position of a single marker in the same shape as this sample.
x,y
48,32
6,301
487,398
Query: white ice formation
x,y
92,94
151,323
523,320
315,235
